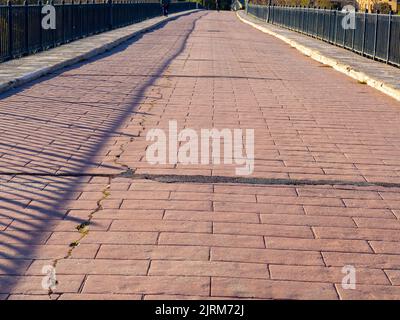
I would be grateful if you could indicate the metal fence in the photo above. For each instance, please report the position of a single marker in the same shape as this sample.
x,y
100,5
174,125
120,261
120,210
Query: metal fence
x,y
21,31
376,36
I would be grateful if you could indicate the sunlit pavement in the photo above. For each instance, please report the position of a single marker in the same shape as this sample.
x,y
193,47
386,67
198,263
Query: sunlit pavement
x,y
79,194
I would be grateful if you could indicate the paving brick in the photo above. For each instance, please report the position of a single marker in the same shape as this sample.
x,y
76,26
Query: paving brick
x,y
271,289
20,237
382,261
385,247
262,229
212,196
326,274
328,202
348,212
54,225
115,214
267,256
337,193
147,285
93,266
209,268
256,190
33,284
161,225
378,223
166,204
258,208
306,220
161,252
355,234
335,245
146,185
373,204
22,251
99,237
220,240
246,217
143,195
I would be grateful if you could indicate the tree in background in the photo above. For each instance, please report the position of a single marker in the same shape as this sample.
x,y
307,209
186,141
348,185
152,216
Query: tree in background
x,y
211,4
382,7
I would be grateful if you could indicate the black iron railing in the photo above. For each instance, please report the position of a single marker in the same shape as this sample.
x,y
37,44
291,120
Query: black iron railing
x,y
21,30
376,36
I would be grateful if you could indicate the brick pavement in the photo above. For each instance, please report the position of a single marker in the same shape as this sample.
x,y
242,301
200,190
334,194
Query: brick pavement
x,y
66,139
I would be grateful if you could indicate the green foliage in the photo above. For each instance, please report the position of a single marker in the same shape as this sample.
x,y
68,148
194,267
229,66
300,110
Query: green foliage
x,y
382,7
323,4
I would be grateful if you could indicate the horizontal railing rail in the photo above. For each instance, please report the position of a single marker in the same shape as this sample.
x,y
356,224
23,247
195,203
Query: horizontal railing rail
x,y
22,32
373,35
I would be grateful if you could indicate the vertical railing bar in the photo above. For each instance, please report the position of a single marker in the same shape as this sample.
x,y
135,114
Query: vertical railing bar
x,y
389,37
364,33
10,29
376,34
40,26
26,27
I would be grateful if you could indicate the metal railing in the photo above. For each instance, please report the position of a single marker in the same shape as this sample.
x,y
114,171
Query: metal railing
x,y
21,31
376,36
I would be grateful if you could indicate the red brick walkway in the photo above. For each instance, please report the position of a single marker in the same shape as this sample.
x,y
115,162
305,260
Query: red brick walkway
x,y
65,139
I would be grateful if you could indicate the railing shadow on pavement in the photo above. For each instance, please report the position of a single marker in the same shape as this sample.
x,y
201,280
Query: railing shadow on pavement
x,y
41,145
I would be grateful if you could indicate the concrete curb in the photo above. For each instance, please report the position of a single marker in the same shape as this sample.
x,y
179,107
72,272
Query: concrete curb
x,y
337,65
30,76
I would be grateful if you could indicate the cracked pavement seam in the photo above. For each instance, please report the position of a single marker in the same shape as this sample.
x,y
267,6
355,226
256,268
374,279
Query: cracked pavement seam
x,y
84,227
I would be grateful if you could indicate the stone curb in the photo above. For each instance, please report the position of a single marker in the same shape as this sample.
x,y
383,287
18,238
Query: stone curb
x,y
30,76
337,65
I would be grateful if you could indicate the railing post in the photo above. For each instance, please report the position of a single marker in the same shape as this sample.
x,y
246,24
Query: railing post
x,y
330,25
344,36
80,9
389,36
40,4
273,14
53,32
376,34
26,42
364,32
110,14
335,28
10,29
354,32
63,21
323,23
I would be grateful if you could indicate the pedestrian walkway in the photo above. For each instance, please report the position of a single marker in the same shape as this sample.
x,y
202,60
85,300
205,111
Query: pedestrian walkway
x,y
376,74
78,193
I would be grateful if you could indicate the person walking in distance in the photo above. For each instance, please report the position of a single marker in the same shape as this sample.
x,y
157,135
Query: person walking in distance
x,y
217,5
165,7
